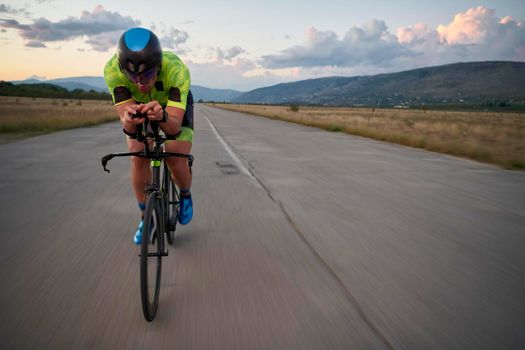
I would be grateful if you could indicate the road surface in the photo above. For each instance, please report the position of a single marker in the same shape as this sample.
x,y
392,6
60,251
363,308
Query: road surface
x,y
302,239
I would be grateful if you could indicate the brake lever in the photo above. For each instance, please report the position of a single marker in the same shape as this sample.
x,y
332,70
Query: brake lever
x,y
105,161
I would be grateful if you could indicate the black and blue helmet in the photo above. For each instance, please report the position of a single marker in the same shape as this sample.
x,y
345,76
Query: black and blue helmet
x,y
139,50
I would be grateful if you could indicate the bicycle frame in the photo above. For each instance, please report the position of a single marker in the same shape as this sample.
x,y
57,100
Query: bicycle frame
x,y
157,154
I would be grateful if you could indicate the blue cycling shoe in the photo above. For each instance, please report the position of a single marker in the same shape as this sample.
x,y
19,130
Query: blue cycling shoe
x,y
138,235
185,210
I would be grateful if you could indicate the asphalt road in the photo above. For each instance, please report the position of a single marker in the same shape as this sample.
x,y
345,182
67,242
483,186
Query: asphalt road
x,y
302,239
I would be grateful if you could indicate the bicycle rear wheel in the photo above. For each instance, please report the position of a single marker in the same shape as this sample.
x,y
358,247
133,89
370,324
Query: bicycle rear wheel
x,y
172,205
152,249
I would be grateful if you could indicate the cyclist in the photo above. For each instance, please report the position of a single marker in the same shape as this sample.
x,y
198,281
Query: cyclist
x,y
142,78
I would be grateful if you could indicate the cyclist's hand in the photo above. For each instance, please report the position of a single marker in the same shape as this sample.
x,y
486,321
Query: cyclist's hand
x,y
129,115
153,109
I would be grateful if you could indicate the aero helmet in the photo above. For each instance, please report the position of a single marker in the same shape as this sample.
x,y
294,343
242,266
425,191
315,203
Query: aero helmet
x,y
139,50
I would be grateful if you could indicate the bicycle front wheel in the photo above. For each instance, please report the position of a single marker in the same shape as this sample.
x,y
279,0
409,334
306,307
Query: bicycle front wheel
x,y
152,248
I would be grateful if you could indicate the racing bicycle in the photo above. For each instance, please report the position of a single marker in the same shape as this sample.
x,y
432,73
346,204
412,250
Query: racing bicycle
x,y
160,215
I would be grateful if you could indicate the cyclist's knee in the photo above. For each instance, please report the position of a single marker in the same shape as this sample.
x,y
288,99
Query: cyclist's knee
x,y
134,145
178,146
177,163
139,163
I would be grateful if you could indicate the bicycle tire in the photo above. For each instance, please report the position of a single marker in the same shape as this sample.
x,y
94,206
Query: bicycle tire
x,y
151,266
171,204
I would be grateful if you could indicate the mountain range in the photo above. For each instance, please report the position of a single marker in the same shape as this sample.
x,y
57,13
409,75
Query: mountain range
x,y
473,82
469,83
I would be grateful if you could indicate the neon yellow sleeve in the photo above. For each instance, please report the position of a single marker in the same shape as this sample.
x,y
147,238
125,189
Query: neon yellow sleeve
x,y
179,81
116,83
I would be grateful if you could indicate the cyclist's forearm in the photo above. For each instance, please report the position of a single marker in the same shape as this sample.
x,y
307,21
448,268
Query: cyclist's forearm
x,y
173,123
171,126
121,111
131,128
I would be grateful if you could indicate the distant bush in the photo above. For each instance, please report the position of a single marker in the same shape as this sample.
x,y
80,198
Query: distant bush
x,y
335,128
294,108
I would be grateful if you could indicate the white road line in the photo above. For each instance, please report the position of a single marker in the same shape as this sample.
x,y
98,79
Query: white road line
x,y
236,159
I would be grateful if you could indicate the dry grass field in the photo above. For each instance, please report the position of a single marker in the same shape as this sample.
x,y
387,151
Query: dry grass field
x,y
27,116
491,137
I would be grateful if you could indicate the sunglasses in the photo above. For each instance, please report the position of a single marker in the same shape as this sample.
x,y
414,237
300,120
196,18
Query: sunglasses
x,y
143,77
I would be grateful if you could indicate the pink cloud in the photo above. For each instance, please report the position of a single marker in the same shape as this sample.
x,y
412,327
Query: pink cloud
x,y
469,27
506,20
408,34
476,34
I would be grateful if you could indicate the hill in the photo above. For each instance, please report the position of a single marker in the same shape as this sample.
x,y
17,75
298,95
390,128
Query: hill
x,y
469,83
85,83
48,90
217,95
98,84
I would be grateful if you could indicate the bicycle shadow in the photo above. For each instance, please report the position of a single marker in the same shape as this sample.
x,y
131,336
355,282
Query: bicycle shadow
x,y
182,239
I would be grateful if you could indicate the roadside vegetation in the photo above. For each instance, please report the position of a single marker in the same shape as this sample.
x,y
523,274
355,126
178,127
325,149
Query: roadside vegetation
x,y
28,116
49,90
492,137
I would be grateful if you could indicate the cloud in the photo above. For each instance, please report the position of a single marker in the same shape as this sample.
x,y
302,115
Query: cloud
x,y
34,43
173,39
104,41
243,65
419,32
469,27
226,76
474,35
228,56
96,25
100,28
227,68
230,53
371,43
12,11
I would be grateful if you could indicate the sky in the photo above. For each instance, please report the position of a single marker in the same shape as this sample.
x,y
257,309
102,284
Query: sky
x,y
244,45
